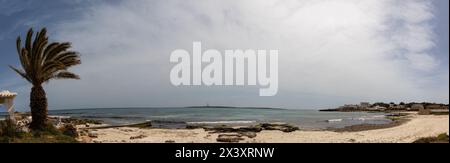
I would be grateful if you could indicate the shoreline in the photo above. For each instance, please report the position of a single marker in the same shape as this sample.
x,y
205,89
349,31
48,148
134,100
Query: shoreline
x,y
368,127
408,130
396,121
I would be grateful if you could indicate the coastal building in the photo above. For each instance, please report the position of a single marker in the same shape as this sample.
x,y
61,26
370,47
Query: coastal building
x,y
391,106
436,107
380,108
7,100
417,107
399,107
364,105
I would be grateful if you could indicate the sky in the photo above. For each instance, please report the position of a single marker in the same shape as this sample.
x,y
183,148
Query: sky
x,y
331,52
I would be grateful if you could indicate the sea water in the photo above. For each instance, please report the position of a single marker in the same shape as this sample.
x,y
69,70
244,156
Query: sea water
x,y
180,117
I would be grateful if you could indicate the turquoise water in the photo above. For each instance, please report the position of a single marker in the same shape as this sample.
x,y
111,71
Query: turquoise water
x,y
180,117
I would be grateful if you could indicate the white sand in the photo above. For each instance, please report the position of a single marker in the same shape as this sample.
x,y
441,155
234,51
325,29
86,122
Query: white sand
x,y
419,126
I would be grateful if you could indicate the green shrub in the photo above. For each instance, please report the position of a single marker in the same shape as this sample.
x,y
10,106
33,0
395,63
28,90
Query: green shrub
x,y
50,134
7,129
441,138
49,129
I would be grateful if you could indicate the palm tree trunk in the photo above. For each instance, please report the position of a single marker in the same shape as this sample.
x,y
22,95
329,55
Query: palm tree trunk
x,y
38,105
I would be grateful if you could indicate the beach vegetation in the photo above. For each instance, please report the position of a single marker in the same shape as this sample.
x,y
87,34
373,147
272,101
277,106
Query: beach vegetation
x,y
441,138
49,134
41,62
7,129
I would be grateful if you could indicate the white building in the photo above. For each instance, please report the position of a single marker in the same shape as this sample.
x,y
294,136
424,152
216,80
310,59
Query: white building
x,y
364,105
7,101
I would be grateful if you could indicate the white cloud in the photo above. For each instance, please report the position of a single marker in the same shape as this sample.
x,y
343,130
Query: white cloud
x,y
335,51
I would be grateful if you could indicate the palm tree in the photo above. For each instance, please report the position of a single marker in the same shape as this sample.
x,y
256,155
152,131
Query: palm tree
x,y
42,62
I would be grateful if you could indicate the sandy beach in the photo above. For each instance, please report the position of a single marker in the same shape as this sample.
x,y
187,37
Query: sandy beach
x,y
418,126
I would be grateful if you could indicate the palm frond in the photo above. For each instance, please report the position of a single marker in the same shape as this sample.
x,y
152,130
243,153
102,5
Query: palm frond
x,y
47,51
42,61
68,58
21,73
28,42
19,45
64,75
52,67
53,53
40,47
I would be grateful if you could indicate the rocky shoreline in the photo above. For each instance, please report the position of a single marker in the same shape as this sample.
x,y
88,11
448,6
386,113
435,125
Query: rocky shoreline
x,y
406,129
85,129
229,134
93,131
236,134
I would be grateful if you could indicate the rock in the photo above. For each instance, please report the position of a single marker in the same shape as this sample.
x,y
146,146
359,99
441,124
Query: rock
x,y
147,124
227,129
137,125
92,134
85,139
83,133
195,127
75,121
279,126
248,134
125,130
23,129
229,138
22,125
23,122
221,129
137,137
70,130
250,129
